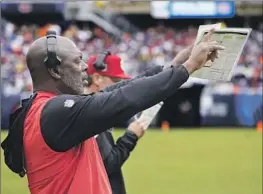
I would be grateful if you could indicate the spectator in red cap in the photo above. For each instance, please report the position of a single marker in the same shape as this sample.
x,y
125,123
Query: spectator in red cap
x,y
102,79
113,154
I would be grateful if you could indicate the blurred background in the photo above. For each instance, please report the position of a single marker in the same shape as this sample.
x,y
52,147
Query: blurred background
x,y
206,138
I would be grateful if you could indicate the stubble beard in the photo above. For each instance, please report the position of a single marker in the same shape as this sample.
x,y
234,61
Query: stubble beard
x,y
74,84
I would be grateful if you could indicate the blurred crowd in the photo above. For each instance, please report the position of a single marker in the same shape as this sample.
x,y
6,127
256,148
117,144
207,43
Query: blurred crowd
x,y
153,46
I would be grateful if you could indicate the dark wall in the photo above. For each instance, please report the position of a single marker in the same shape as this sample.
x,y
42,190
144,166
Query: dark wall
x,y
182,109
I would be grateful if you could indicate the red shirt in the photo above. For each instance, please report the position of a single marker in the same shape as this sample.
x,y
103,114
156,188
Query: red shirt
x,y
79,170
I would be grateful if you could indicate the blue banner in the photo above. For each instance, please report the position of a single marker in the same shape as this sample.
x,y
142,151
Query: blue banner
x,y
246,107
233,110
192,9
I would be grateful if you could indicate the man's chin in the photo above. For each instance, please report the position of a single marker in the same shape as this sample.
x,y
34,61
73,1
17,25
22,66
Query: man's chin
x,y
79,91
72,90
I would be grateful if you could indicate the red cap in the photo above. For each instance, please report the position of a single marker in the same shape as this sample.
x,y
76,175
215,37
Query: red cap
x,y
113,67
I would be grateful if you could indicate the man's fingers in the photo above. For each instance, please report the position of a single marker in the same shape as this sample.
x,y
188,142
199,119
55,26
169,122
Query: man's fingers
x,y
213,43
217,54
208,36
143,123
214,46
212,56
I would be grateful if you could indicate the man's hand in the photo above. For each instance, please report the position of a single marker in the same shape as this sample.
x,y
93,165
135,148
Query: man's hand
x,y
183,56
137,127
204,51
208,37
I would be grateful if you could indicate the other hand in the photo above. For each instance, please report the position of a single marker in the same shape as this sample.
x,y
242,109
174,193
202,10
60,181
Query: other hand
x,y
137,127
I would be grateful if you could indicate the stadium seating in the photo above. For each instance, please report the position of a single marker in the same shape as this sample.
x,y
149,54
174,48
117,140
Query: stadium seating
x,y
154,46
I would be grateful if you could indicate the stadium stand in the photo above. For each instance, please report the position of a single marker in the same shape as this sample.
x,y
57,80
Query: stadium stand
x,y
153,46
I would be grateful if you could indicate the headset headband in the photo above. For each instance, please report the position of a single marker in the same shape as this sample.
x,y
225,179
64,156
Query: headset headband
x,y
52,59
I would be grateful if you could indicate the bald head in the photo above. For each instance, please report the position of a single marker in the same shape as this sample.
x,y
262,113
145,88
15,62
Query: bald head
x,y
37,52
70,57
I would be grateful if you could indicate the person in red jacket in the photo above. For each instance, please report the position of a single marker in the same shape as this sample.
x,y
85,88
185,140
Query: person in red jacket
x,y
51,137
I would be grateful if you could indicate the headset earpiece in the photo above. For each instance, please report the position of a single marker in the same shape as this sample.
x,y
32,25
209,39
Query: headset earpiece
x,y
99,63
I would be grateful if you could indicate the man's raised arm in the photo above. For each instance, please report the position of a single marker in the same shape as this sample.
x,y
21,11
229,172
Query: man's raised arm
x,y
149,72
67,120
180,58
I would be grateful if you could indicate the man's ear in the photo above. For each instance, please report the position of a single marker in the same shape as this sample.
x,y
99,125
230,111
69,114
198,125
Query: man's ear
x,y
54,73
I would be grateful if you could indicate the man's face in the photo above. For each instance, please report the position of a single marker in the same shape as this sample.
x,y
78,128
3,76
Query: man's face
x,y
72,72
100,82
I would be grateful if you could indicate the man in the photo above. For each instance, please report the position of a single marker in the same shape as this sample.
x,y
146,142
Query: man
x,y
51,137
113,155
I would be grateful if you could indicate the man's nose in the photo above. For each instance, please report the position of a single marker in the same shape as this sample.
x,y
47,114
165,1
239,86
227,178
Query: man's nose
x,y
84,67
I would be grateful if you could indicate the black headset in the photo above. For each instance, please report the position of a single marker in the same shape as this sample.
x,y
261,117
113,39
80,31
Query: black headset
x,y
52,60
99,63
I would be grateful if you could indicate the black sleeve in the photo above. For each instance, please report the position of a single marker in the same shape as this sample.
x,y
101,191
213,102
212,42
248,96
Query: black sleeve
x,y
68,120
152,71
120,152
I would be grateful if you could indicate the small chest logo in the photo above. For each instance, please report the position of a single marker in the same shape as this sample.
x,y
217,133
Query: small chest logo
x,y
69,103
